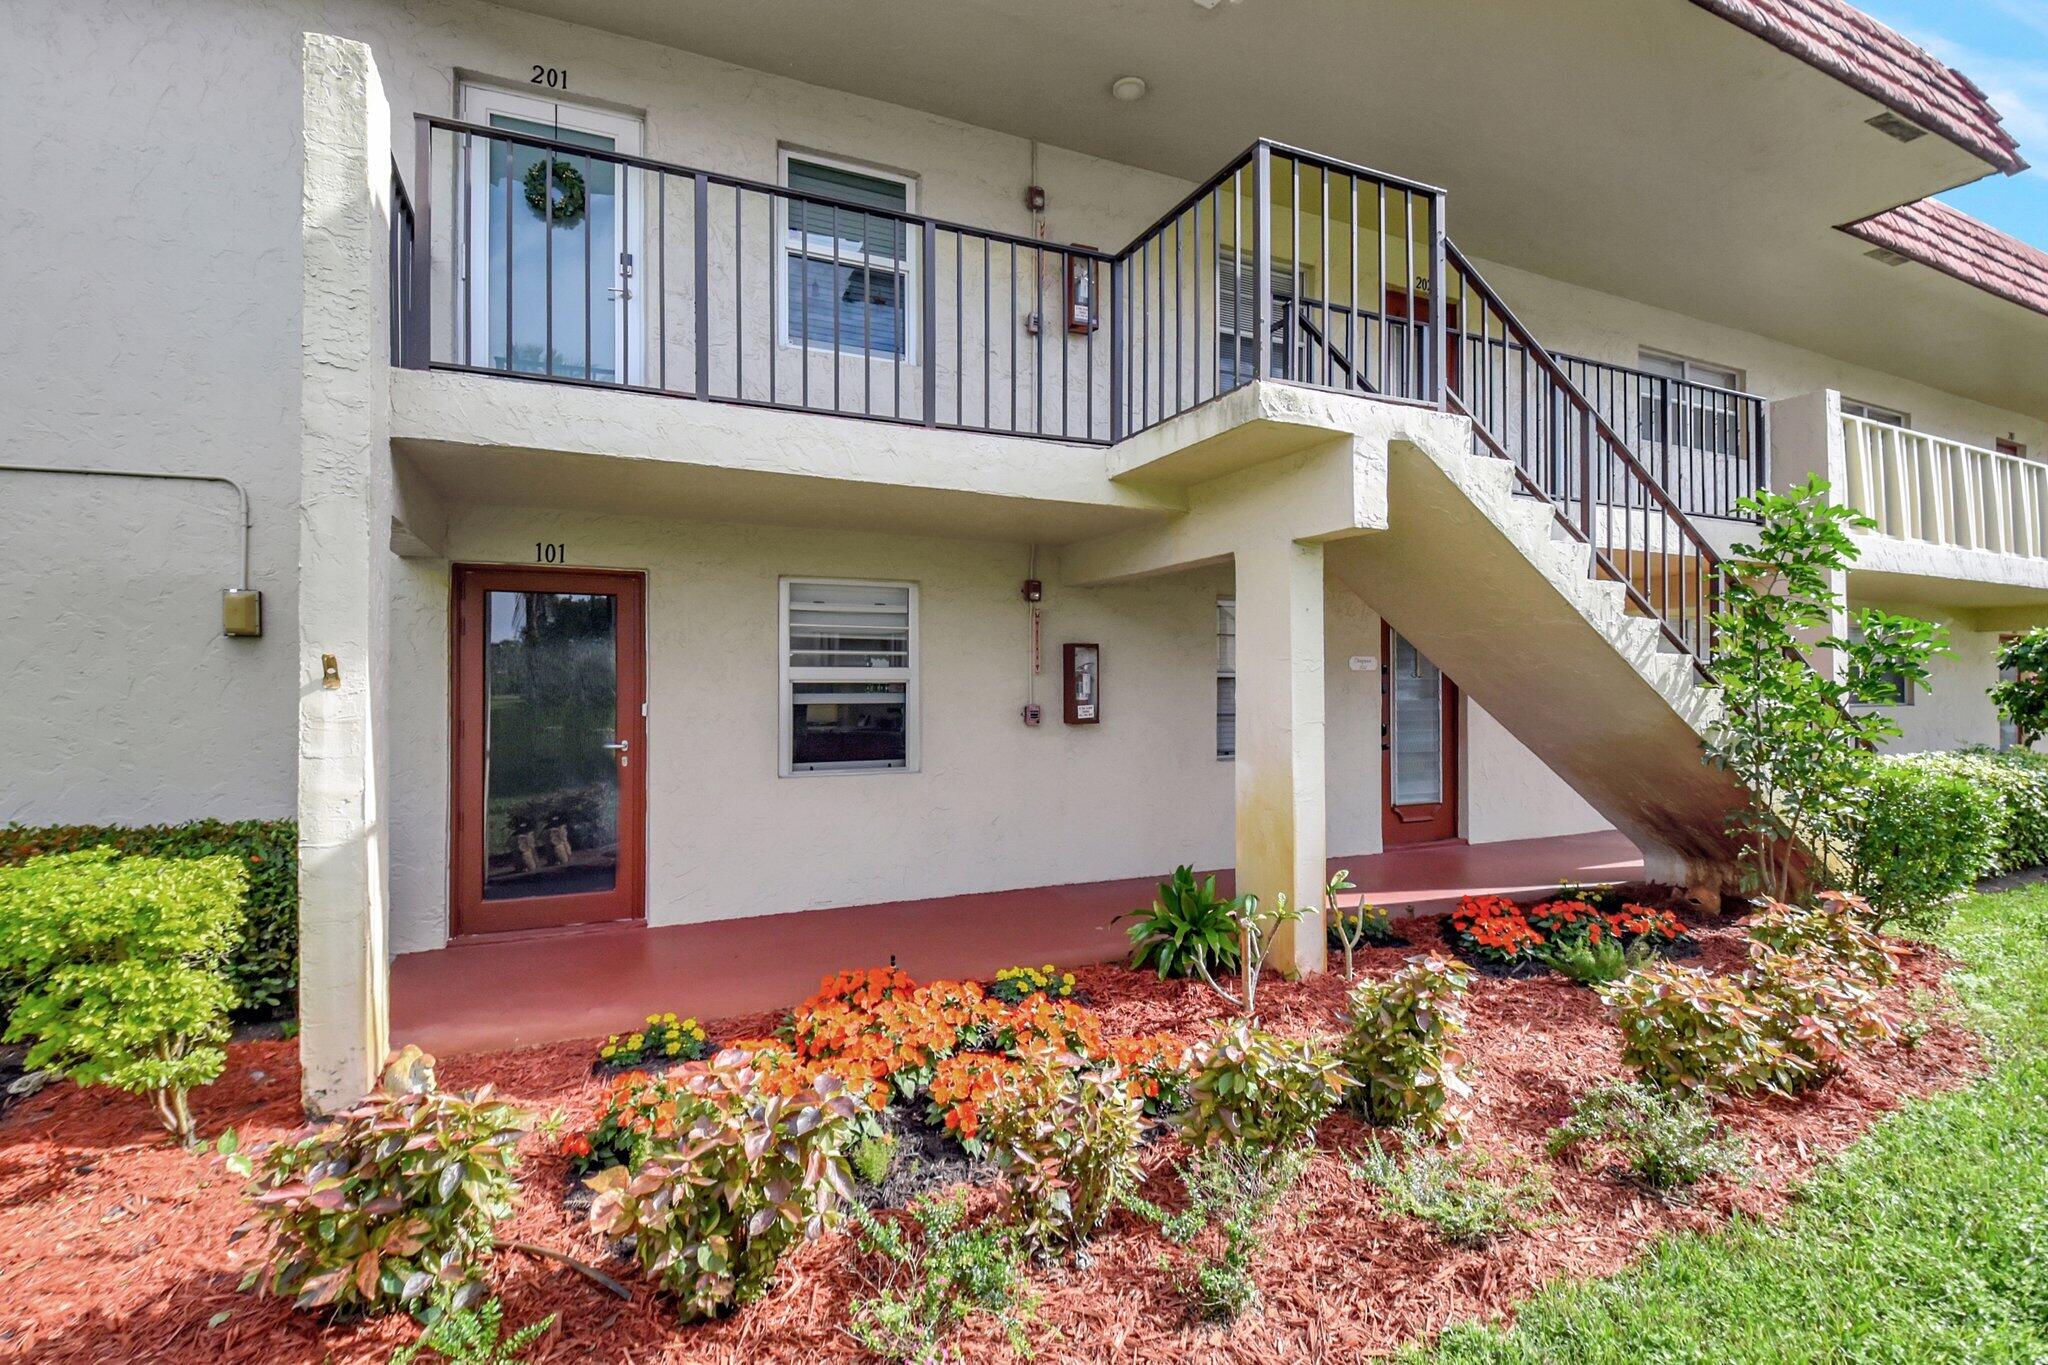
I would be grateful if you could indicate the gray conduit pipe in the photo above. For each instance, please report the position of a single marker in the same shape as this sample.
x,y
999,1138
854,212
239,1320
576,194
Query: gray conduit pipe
x,y
153,474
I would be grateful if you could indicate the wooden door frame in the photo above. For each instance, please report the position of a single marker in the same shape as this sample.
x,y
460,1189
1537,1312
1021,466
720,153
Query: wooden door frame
x,y
627,901
1442,817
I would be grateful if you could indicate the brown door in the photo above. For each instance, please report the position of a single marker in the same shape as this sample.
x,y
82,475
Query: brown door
x,y
550,748
1418,745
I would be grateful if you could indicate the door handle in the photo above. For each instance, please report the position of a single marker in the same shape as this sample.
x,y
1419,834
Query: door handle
x,y
620,747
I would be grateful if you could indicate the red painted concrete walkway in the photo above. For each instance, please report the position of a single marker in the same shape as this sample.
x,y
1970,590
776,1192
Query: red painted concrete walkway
x,y
581,983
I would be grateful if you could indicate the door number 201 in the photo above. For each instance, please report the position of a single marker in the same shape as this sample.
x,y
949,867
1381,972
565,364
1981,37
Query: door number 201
x,y
553,77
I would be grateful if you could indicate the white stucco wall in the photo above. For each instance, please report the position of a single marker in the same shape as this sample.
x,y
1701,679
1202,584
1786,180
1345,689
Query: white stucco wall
x,y
159,327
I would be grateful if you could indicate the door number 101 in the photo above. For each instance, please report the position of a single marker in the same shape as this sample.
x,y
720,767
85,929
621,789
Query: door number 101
x,y
550,552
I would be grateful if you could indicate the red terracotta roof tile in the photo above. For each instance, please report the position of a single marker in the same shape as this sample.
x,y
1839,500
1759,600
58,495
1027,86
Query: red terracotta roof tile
x,y
1954,243
1857,50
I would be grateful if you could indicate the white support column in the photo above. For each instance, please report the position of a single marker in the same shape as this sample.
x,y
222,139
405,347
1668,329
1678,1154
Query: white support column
x,y
1281,819
344,551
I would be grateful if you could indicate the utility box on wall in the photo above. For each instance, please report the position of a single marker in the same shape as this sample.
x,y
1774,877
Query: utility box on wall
x,y
1083,687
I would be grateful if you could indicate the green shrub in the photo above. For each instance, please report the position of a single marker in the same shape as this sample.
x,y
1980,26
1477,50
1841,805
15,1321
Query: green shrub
x,y
747,1175
1400,1047
1686,1029
1187,931
1231,1194
1818,1010
871,1157
2022,699
1066,1139
1833,931
934,1282
1925,837
264,967
121,961
1453,1193
474,1336
1259,1091
393,1203
1665,1138
2017,779
1594,961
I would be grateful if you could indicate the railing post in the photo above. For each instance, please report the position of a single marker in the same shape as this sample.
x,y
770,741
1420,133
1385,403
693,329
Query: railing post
x,y
930,309
1763,446
1586,473
1118,326
1262,260
702,228
1439,338
419,286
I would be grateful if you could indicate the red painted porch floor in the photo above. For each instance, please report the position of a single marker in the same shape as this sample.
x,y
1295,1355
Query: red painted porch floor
x,y
541,988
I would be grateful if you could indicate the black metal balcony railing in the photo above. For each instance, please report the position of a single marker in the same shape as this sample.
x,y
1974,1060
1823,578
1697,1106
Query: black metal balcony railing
x,y
547,259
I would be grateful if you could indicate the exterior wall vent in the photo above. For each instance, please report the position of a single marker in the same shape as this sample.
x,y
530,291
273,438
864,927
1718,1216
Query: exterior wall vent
x,y
1891,125
1886,255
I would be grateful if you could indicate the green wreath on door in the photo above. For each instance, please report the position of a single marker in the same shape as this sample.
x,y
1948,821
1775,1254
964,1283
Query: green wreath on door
x,y
571,197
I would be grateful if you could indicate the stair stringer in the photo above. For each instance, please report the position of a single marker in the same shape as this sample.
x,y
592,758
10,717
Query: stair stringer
x,y
1488,586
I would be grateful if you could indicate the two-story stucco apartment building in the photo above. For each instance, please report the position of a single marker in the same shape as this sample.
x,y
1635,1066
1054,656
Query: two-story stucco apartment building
x,y
714,460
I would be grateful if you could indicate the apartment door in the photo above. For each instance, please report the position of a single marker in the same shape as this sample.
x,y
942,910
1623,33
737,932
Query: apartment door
x,y
1418,745
553,291
550,748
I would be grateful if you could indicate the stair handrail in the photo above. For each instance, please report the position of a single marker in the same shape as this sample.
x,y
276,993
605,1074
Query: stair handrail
x,y
1593,424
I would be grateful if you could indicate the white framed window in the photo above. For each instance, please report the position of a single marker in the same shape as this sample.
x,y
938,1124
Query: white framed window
x,y
558,296
848,280
1871,412
849,676
1226,677
1698,421
1237,320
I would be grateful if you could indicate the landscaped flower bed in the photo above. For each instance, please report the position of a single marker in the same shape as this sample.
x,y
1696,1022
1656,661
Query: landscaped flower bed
x,y
115,1246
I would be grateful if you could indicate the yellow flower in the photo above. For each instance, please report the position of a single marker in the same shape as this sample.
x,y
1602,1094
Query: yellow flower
x,y
673,1048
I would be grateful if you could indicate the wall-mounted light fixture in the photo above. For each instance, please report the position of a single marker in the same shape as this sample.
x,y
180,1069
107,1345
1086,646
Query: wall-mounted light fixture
x,y
1128,89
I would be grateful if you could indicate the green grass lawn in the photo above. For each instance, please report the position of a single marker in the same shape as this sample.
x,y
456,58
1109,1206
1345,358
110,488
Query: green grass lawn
x,y
1926,1241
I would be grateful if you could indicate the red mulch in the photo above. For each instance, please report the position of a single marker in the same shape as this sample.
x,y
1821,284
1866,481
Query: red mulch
x,y
114,1246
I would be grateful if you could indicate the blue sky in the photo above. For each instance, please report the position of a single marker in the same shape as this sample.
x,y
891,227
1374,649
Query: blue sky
x,y
2002,45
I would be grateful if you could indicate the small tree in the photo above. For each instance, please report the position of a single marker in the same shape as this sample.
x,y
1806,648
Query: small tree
x,y
2022,700
124,965
1793,735
1256,930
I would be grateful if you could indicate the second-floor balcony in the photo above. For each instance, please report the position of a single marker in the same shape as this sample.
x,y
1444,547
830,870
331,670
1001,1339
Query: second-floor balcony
x,y
1946,493
548,257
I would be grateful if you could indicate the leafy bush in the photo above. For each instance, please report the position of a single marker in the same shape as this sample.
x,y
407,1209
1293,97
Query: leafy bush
x,y
933,1282
1014,985
1400,1047
1187,931
1686,1029
2017,782
394,1201
1667,1139
747,1175
474,1336
663,1041
872,1157
1066,1139
1818,1011
1259,1091
1833,931
122,962
1452,1192
1924,839
1232,1193
263,969
1595,960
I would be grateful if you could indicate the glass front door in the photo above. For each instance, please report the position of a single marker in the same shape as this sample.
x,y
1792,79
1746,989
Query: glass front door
x,y
548,737
553,254
1418,745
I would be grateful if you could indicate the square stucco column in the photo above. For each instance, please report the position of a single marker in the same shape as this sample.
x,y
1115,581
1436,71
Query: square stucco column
x,y
1807,439
345,503
1281,820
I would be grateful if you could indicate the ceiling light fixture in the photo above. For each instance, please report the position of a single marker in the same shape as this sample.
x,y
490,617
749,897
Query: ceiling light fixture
x,y
1128,88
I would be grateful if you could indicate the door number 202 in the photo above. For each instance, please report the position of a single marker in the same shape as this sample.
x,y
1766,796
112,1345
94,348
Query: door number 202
x,y
553,77
550,552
